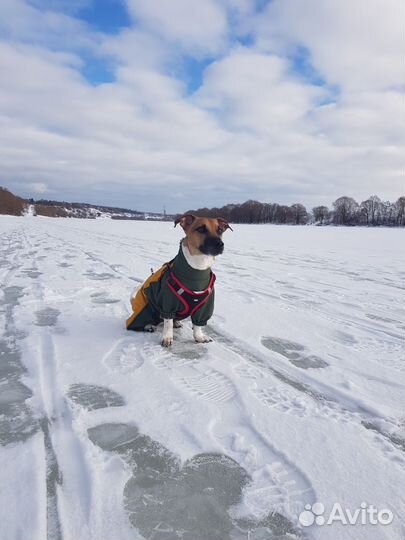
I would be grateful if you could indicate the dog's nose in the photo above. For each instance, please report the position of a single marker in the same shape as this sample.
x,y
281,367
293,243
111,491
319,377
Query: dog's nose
x,y
212,246
219,243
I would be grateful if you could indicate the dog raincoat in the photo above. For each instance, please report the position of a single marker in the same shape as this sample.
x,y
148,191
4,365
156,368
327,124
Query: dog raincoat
x,y
175,291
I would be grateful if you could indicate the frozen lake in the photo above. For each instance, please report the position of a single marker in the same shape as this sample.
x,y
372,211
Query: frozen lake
x,y
299,399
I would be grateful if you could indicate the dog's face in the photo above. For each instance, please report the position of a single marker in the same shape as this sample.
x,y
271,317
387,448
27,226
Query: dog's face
x,y
204,235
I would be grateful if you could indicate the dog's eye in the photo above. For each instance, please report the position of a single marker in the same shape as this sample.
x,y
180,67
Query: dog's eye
x,y
202,229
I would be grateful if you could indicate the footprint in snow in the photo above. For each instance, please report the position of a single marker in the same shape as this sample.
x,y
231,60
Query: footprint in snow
x,y
124,357
91,396
167,501
11,296
294,352
17,421
102,298
47,316
100,276
31,273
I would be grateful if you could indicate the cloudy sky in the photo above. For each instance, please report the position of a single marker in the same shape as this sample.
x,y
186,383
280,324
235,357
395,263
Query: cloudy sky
x,y
190,103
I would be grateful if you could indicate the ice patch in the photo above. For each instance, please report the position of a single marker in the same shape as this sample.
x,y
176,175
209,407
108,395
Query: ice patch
x,y
31,273
101,276
11,296
13,392
192,352
10,363
167,502
47,316
102,298
294,352
92,397
17,421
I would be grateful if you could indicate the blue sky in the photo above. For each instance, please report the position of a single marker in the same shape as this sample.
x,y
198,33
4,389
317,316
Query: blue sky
x,y
183,103
109,16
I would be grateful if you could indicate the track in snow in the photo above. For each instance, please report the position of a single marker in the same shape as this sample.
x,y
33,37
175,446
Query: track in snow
x,y
82,381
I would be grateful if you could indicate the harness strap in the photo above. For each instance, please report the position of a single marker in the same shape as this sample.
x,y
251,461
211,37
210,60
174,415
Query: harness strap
x,y
191,300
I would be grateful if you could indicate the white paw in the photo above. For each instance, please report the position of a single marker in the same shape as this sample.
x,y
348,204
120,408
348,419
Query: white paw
x,y
167,341
167,334
199,336
202,339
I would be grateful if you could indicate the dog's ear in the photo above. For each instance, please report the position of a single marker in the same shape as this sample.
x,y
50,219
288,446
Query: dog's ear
x,y
223,225
186,220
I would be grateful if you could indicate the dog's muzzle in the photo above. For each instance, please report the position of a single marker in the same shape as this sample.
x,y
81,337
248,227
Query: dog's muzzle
x,y
212,246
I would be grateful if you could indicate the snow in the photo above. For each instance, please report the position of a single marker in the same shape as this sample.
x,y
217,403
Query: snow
x,y
30,210
299,398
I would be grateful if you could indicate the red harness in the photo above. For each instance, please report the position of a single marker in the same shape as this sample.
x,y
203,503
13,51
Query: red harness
x,y
191,300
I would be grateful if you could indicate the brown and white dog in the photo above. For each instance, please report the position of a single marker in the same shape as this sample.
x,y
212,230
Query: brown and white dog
x,y
202,243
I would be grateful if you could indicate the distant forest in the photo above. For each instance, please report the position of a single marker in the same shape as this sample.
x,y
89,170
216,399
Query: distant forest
x,y
372,212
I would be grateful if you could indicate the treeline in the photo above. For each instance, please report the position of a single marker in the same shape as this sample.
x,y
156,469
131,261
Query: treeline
x,y
83,206
10,204
372,212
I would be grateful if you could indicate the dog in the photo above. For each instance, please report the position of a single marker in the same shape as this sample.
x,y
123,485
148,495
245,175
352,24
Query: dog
x,y
183,287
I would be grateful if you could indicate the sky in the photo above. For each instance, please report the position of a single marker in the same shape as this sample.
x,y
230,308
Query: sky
x,y
183,104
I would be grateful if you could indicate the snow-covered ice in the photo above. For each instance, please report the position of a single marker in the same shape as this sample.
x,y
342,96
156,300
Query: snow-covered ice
x,y
299,398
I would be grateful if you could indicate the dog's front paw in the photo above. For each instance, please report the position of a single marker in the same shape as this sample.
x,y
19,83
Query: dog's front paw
x,y
199,336
167,334
167,341
202,339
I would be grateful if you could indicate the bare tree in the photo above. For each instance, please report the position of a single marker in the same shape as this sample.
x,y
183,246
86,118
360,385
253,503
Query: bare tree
x,y
388,213
299,214
371,209
321,214
346,211
400,208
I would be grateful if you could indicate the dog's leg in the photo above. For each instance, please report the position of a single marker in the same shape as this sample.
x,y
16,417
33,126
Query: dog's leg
x,y
167,335
177,324
199,335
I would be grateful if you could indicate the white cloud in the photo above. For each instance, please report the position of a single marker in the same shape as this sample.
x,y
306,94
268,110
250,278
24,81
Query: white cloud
x,y
255,92
364,119
356,45
136,48
198,27
39,188
253,129
20,21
